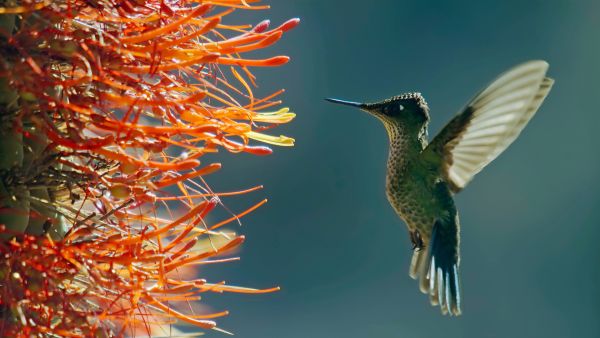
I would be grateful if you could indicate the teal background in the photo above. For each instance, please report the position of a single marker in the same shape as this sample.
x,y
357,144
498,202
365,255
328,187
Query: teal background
x,y
530,229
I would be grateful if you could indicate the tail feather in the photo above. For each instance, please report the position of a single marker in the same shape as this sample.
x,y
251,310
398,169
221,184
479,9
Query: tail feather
x,y
436,267
419,255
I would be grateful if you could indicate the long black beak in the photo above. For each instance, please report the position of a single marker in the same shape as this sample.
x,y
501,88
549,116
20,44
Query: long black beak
x,y
346,103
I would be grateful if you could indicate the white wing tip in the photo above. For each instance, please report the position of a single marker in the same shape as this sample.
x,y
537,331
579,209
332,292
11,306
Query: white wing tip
x,y
535,63
538,66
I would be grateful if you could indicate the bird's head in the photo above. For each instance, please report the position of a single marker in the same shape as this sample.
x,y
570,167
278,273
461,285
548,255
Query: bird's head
x,y
406,109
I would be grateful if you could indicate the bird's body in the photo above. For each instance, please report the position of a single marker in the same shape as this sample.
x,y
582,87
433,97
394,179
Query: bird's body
x,y
410,188
418,195
422,177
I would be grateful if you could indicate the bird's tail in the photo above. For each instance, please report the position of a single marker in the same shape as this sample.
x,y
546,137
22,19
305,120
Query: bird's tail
x,y
436,267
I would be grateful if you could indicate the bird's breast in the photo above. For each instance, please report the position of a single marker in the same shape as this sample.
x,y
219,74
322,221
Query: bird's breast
x,y
412,201
407,186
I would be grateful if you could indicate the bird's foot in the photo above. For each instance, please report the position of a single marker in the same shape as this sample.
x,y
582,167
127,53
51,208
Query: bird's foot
x,y
417,241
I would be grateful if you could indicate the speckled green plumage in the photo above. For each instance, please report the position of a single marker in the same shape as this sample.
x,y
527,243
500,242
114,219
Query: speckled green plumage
x,y
422,198
414,188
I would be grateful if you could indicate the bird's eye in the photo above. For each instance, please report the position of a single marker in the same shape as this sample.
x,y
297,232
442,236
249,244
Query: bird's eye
x,y
400,107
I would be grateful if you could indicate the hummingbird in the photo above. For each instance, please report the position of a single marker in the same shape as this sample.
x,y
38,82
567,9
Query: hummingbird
x,y
422,176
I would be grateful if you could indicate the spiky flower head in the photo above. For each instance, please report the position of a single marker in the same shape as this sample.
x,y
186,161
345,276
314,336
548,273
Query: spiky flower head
x,y
106,108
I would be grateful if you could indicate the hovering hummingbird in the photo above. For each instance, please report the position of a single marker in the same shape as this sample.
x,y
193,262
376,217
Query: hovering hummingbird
x,y
423,176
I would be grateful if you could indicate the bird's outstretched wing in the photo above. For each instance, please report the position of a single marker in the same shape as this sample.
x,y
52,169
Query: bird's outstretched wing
x,y
489,123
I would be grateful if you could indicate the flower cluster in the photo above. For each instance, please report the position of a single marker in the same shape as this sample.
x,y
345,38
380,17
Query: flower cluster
x,y
106,108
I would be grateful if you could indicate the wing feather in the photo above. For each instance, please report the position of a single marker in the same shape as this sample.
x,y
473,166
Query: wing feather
x,y
489,123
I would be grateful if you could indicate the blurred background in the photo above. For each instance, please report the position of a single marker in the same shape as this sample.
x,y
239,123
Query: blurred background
x,y
328,237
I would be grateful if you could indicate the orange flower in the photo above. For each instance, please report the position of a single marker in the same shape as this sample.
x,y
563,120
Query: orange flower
x,y
109,107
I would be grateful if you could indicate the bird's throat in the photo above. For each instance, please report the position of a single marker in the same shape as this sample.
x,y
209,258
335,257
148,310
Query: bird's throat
x,y
405,147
